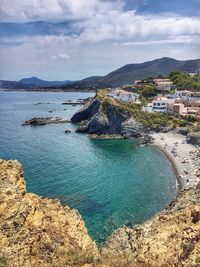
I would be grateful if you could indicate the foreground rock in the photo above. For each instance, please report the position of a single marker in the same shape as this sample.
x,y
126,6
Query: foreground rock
x,y
171,238
35,231
44,121
38,232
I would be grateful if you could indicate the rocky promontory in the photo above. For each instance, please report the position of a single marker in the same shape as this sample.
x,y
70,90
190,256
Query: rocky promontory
x,y
106,116
44,121
37,231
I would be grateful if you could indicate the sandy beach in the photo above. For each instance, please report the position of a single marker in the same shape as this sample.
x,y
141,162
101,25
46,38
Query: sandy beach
x,y
184,157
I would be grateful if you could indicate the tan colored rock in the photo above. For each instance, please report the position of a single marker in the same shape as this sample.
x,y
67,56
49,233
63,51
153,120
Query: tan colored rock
x,y
35,231
171,238
38,232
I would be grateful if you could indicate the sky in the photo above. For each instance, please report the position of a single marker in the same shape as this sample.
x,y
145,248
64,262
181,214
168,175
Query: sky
x,y
74,39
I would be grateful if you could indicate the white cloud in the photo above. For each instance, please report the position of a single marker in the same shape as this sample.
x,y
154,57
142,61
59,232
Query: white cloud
x,y
51,10
100,20
64,56
106,36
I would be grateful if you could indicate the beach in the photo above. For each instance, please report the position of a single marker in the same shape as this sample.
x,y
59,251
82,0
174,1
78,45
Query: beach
x,y
184,157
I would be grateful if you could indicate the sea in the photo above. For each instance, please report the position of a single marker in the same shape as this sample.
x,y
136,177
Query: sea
x,y
111,182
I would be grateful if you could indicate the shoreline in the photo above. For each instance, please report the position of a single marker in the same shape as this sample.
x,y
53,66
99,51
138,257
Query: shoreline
x,y
183,157
171,160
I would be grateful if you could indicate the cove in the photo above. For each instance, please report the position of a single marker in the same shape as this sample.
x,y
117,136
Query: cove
x,y
111,182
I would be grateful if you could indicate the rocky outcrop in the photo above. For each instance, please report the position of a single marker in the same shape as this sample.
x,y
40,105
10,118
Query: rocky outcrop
x,y
107,118
194,138
87,112
44,121
38,232
171,238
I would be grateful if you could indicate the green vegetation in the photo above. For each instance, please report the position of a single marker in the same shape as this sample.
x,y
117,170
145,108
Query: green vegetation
x,y
184,81
197,260
3,261
149,91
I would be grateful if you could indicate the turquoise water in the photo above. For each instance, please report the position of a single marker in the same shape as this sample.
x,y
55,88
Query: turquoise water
x,y
111,183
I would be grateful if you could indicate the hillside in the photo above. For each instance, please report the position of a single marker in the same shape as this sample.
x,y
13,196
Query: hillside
x,y
34,81
122,76
31,84
128,73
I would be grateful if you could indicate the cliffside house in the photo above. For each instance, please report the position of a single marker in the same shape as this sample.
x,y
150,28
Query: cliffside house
x,y
164,86
161,104
138,82
182,94
123,95
177,108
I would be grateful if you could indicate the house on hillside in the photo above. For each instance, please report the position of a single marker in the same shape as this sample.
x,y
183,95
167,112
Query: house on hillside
x,y
182,94
164,86
177,108
125,96
138,82
161,104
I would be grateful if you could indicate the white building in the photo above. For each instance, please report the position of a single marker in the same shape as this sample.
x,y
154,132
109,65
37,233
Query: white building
x,y
123,95
183,94
161,104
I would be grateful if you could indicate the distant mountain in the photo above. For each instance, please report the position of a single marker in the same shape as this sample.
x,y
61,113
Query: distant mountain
x,y
36,82
128,73
12,85
31,83
122,76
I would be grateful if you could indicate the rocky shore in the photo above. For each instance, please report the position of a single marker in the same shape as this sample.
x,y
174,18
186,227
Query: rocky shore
x,y
37,231
44,121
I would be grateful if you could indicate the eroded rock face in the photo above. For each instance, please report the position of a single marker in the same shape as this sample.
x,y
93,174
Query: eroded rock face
x,y
107,119
36,231
171,238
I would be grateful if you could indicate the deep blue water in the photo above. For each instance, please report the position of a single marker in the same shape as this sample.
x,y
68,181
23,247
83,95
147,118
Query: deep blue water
x,y
111,183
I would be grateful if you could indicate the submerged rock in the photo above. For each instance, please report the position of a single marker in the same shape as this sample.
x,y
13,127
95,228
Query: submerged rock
x,y
44,121
67,131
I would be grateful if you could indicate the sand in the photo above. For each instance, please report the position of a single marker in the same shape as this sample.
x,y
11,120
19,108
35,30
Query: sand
x,y
185,157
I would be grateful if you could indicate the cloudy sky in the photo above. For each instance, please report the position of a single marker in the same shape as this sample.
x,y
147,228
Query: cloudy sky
x,y
73,39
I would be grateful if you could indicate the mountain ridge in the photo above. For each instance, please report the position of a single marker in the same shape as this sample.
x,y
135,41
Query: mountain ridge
x,y
119,77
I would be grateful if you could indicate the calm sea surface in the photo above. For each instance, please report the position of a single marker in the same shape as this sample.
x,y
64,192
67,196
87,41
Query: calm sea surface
x,y
111,183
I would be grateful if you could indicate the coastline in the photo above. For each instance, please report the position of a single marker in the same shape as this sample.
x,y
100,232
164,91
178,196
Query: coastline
x,y
182,156
179,184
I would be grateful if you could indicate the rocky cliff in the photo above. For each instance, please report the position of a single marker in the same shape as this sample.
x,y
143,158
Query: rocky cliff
x,y
36,231
104,115
40,232
171,238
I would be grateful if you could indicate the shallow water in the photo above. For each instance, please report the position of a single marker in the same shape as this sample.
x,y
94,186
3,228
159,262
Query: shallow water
x,y
111,183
